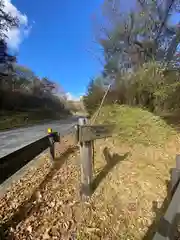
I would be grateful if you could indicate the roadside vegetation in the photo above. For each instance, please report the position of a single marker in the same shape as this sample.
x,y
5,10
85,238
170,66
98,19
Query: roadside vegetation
x,y
25,98
28,99
131,168
132,172
141,77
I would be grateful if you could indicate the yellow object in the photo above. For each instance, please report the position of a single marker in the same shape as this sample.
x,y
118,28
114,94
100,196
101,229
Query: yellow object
x,y
49,130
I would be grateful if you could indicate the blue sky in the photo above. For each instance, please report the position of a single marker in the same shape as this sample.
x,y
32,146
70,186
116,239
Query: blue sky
x,y
59,41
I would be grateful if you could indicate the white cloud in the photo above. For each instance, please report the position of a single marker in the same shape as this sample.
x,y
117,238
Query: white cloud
x,y
16,35
72,97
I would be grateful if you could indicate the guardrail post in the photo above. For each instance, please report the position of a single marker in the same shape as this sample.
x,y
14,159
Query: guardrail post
x,y
169,223
85,164
175,175
53,138
51,144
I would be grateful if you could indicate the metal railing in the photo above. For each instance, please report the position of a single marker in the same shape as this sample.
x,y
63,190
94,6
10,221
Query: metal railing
x,y
168,226
14,161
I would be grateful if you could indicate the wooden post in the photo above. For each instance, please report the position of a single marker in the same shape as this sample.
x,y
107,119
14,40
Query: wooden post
x,y
51,145
178,161
175,175
85,164
55,138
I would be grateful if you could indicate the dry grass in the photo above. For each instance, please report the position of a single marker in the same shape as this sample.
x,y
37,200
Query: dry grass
x,y
120,208
126,196
134,188
136,126
23,191
130,188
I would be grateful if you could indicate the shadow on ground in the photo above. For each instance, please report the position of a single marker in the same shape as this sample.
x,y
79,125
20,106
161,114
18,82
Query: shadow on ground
x,y
160,225
111,161
27,207
159,212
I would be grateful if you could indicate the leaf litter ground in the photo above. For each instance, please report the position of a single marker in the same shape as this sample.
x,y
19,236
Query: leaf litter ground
x,y
130,192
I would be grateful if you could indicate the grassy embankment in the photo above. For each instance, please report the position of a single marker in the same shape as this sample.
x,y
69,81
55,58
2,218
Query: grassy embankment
x,y
132,170
130,185
9,120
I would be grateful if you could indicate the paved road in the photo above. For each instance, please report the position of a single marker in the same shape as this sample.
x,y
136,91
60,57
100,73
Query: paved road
x,y
12,140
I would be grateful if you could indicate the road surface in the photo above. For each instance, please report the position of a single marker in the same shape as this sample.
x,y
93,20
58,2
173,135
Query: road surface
x,y
12,140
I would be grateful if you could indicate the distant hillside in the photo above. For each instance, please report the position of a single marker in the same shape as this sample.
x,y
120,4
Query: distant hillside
x,y
76,107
